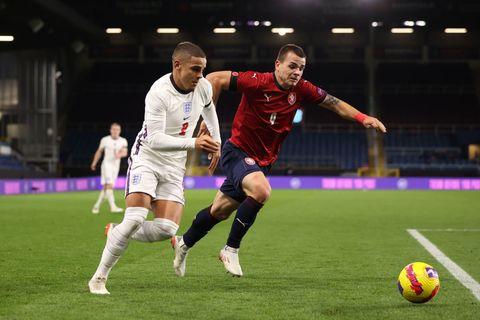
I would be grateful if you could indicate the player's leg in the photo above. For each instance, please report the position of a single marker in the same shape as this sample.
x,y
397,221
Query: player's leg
x,y
101,197
117,240
257,188
221,208
140,190
257,191
111,177
167,207
204,221
165,224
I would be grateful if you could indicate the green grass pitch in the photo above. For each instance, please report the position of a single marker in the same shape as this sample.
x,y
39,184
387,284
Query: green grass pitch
x,y
310,255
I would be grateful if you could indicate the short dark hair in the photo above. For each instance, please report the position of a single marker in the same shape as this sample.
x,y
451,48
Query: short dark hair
x,y
290,48
187,50
115,124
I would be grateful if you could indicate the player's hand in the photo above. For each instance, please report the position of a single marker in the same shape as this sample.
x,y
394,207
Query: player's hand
x,y
214,158
371,122
206,143
203,130
93,167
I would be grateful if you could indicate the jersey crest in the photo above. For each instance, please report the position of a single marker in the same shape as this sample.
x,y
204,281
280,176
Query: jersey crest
x,y
187,107
249,161
292,97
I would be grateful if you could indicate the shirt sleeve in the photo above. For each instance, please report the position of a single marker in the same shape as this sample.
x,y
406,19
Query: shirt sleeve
x,y
125,143
245,81
103,143
155,120
312,93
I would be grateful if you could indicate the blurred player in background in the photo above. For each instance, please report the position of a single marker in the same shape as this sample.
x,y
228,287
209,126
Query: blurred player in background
x,y
157,160
113,148
263,119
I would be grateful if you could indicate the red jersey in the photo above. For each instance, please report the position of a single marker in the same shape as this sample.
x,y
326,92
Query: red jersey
x,y
265,114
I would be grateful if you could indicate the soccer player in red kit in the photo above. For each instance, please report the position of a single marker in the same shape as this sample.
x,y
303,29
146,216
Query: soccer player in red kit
x,y
263,119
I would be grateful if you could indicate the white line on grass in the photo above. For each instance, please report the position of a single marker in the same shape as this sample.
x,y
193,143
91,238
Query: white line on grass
x,y
451,266
450,230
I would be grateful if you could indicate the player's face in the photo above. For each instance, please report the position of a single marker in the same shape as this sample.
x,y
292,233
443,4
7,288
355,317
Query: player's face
x,y
290,70
190,72
115,131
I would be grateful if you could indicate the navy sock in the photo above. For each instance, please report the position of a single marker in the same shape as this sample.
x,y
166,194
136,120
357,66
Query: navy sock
x,y
246,214
202,223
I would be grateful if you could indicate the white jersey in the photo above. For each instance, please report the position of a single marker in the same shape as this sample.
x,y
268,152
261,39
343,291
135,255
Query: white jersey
x,y
111,146
171,116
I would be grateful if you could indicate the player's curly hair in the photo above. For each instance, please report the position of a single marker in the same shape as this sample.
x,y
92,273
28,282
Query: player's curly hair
x,y
290,48
188,49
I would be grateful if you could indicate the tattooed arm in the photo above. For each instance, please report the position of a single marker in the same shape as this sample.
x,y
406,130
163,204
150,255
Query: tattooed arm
x,y
348,112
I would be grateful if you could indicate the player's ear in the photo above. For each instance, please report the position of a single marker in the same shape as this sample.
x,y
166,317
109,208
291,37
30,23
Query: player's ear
x,y
176,64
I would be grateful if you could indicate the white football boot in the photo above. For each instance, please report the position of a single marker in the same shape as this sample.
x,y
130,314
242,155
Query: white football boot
x,y
229,257
97,286
95,210
116,210
181,252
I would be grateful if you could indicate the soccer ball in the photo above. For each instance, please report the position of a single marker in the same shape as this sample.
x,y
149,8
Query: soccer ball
x,y
418,282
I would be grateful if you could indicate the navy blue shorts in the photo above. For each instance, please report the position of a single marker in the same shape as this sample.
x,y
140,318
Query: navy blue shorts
x,y
236,164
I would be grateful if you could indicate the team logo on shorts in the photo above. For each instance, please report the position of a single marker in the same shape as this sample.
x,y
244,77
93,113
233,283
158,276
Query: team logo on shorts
x,y
187,107
292,97
249,161
136,179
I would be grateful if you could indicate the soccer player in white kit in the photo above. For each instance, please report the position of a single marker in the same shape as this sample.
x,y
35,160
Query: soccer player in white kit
x,y
157,160
114,148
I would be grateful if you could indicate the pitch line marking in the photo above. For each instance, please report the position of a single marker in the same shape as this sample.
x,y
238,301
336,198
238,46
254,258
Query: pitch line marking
x,y
450,230
463,277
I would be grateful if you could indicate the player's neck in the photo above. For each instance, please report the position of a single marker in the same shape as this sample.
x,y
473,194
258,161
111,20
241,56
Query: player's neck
x,y
177,84
278,82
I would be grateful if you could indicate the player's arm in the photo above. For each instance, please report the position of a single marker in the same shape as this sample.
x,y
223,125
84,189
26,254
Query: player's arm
x,y
96,158
348,112
220,80
122,153
156,120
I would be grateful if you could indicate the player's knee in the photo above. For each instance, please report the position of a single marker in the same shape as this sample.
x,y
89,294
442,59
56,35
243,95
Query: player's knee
x,y
166,228
133,219
261,193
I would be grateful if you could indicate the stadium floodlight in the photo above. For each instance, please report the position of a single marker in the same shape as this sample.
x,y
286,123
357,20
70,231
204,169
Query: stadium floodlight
x,y
168,30
266,23
455,30
377,24
401,30
409,23
421,23
282,31
224,30
343,30
6,38
113,30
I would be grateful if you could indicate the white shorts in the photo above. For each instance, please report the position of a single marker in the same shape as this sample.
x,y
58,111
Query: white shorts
x,y
159,181
109,174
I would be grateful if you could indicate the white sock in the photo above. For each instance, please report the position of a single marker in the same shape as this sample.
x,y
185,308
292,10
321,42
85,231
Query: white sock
x,y
111,199
117,240
100,199
157,230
